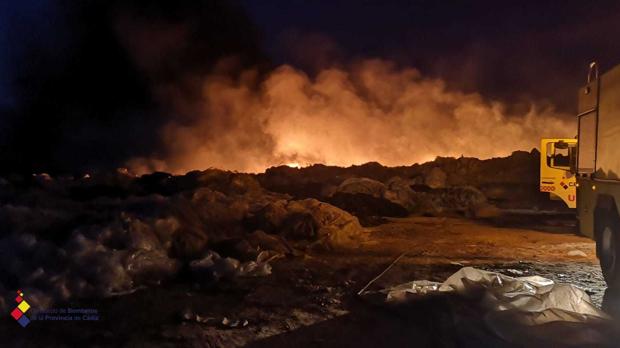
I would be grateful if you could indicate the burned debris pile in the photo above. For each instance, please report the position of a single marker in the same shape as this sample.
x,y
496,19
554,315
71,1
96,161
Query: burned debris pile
x,y
112,233
467,186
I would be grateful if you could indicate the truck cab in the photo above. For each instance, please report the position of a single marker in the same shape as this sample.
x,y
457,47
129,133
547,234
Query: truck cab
x,y
557,159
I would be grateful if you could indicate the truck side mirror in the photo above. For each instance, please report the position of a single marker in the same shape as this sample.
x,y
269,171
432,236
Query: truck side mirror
x,y
572,152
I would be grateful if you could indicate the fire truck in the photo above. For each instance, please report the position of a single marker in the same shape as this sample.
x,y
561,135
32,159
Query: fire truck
x,y
594,163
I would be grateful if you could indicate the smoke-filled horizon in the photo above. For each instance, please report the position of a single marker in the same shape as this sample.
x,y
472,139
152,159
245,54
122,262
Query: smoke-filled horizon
x,y
372,111
177,86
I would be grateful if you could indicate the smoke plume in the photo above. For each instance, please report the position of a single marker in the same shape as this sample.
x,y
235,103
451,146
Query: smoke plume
x,y
177,86
372,111
87,78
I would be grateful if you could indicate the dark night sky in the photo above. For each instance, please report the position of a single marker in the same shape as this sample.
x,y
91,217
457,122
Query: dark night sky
x,y
504,49
513,51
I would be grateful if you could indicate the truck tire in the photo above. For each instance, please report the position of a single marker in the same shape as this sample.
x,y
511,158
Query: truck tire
x,y
608,247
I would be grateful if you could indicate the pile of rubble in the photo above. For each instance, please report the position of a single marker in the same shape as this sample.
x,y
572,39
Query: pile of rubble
x,y
464,186
105,235
520,169
400,197
111,233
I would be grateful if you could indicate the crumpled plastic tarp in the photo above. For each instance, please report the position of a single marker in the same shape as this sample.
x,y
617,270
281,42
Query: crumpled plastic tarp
x,y
514,306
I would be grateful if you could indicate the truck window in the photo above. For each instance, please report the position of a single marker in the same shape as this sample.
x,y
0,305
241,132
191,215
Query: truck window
x,y
549,153
558,157
561,158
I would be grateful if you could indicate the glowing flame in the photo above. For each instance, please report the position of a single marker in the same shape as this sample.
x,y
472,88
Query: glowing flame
x,y
370,112
294,165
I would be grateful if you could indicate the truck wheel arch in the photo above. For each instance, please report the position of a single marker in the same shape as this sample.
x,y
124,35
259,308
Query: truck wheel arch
x,y
607,235
606,208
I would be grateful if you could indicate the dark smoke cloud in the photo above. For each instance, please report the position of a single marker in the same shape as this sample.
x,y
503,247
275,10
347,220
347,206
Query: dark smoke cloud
x,y
373,110
90,84
184,85
513,51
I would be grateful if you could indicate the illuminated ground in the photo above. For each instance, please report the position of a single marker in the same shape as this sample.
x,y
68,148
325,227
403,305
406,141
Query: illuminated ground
x,y
310,300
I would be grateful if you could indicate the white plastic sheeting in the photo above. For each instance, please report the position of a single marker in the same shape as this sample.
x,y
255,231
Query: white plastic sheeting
x,y
514,308
534,294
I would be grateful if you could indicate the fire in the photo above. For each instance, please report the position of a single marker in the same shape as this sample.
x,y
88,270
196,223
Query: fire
x,y
372,111
294,165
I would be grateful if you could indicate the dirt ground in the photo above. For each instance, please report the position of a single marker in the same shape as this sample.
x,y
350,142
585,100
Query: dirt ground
x,y
311,300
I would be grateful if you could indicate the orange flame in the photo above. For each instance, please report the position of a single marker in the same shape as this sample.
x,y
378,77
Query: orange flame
x,y
373,111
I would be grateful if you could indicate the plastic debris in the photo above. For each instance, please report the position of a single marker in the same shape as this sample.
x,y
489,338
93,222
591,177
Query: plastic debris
x,y
512,305
253,269
213,267
515,272
228,323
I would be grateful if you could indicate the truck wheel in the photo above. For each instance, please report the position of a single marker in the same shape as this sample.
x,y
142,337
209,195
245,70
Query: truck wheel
x,y
608,245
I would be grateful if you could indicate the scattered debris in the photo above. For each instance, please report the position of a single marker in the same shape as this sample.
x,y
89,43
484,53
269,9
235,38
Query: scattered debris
x,y
232,324
188,315
110,234
512,305
515,272
382,273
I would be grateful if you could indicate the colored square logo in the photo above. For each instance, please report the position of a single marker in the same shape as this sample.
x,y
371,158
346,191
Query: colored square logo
x,y
18,299
16,314
23,321
23,306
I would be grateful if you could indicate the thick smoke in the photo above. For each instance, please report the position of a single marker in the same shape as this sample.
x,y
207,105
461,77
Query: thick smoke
x,y
373,111
89,79
177,86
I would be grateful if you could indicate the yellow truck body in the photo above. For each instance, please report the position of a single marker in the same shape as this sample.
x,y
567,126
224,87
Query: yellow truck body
x,y
555,170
